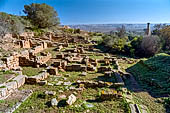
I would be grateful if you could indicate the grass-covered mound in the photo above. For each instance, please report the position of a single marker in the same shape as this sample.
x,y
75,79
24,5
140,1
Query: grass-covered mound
x,y
153,74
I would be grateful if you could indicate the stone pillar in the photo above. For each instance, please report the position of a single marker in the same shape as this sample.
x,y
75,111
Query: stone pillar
x,y
148,30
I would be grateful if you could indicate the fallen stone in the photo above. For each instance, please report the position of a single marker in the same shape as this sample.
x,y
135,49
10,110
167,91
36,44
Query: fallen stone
x,y
108,95
50,84
65,78
59,83
62,96
54,102
60,91
67,83
72,88
83,74
20,79
52,93
71,99
108,73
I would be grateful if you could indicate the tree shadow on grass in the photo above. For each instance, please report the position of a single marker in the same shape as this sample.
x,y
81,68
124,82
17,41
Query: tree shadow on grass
x,y
153,76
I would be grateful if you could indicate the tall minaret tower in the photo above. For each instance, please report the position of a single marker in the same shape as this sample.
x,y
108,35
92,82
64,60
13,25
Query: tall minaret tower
x,y
148,30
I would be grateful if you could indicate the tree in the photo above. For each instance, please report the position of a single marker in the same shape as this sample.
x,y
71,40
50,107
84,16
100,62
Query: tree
x,y
10,24
151,45
165,36
121,31
41,15
4,24
157,29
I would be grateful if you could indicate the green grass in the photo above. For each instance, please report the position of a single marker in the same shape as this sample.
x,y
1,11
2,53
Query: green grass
x,y
38,103
30,71
153,74
8,103
96,57
97,39
4,76
52,51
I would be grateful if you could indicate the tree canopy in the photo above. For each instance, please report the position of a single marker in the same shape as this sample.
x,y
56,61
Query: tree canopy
x,y
41,15
10,24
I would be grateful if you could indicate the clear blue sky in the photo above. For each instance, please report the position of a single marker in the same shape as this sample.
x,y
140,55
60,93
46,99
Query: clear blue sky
x,y
100,11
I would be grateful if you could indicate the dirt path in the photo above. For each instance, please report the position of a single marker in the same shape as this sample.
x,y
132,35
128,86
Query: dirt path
x,y
132,84
143,97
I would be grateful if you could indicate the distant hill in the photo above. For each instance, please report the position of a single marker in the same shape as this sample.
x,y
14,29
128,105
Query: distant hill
x,y
111,27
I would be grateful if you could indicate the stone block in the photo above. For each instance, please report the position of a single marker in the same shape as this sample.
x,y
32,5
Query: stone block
x,y
11,85
3,92
71,99
54,102
108,73
37,78
20,79
53,71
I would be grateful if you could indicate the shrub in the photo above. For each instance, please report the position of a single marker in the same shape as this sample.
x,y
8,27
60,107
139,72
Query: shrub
x,y
108,40
151,45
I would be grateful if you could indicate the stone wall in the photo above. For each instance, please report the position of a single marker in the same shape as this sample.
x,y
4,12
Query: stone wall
x,y
12,62
26,35
39,48
43,59
10,87
37,78
25,43
76,67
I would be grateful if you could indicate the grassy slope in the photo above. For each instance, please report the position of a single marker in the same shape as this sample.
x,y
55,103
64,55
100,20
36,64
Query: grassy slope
x,y
154,74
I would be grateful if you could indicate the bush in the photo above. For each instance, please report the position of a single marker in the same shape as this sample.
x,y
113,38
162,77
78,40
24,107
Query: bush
x,y
151,45
77,31
10,24
108,40
119,44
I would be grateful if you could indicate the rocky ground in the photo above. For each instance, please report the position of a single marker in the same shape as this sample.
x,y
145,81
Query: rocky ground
x,y
75,77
